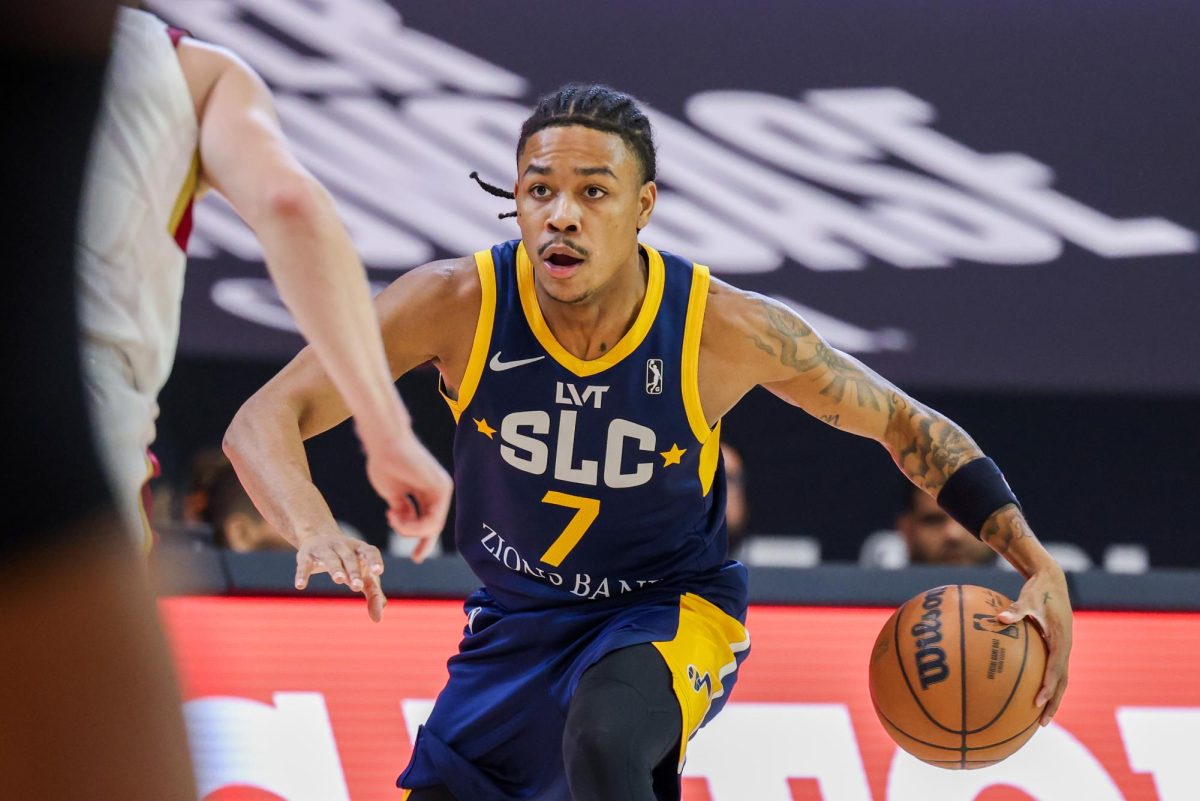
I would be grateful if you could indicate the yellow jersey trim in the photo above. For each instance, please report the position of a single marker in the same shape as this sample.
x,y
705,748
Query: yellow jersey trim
x,y
187,193
710,454
690,378
483,337
628,343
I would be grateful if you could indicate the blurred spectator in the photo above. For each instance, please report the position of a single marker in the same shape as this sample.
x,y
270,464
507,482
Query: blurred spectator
x,y
217,505
206,468
236,524
783,550
924,535
162,506
934,538
736,512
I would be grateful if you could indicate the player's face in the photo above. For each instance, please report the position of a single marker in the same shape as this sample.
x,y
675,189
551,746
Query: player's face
x,y
580,203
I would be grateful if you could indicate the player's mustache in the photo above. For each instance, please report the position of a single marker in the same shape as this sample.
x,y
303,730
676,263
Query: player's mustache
x,y
582,251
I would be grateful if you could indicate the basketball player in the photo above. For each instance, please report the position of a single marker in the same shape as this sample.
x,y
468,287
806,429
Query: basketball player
x,y
88,702
179,116
588,374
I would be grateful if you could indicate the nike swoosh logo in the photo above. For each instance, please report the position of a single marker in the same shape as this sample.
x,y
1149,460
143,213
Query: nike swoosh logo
x,y
500,366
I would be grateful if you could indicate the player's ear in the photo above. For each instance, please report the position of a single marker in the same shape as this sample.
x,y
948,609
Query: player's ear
x,y
647,196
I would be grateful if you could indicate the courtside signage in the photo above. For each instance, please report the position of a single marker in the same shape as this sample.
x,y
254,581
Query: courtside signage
x,y
307,700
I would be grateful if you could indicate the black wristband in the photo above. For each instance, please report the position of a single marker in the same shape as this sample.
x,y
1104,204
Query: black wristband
x,y
974,492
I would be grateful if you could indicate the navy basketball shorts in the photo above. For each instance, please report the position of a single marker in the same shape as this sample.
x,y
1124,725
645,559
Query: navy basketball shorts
x,y
496,729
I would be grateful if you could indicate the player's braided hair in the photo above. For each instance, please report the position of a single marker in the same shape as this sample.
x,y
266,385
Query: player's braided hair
x,y
592,105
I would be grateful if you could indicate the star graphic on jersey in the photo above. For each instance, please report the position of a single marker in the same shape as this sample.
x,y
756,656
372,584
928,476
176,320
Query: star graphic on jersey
x,y
484,428
672,456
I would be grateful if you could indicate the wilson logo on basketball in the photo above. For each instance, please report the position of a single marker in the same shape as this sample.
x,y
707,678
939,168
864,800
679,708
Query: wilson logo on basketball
x,y
931,659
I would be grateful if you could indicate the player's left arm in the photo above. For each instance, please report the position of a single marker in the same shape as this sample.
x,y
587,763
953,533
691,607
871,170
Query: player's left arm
x,y
752,340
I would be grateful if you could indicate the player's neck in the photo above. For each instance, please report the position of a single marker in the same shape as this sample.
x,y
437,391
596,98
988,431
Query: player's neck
x,y
590,328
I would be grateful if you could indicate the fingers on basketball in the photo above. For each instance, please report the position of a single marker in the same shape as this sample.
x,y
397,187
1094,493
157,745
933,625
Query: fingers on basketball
x,y
1056,697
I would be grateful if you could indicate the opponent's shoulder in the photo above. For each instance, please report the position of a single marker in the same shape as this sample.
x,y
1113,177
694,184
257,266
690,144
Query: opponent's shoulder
x,y
204,64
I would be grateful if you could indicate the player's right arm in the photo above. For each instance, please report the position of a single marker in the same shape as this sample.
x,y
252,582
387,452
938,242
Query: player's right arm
x,y
427,315
309,254
749,340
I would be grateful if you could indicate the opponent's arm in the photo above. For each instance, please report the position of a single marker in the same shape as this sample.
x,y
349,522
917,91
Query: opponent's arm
x,y
750,340
244,156
427,314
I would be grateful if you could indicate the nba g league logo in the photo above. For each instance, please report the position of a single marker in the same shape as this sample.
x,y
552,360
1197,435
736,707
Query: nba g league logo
x,y
654,376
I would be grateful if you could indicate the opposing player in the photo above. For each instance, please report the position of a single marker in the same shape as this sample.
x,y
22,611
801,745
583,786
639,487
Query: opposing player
x,y
588,374
179,116
87,693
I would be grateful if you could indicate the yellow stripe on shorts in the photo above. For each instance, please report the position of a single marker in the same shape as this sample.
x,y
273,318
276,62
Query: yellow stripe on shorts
x,y
700,657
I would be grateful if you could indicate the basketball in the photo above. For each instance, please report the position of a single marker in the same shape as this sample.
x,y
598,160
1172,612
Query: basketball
x,y
950,684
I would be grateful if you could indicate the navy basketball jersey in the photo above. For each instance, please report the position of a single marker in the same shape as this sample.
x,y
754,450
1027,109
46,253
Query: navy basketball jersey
x,y
586,480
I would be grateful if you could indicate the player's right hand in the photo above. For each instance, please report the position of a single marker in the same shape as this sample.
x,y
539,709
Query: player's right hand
x,y
415,486
1045,600
348,561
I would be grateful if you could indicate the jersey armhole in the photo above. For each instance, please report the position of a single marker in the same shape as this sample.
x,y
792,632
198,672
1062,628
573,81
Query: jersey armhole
x,y
485,265
177,35
693,326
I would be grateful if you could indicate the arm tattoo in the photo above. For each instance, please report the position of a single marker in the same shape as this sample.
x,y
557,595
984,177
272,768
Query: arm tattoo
x,y
925,445
762,344
1002,530
789,332
832,419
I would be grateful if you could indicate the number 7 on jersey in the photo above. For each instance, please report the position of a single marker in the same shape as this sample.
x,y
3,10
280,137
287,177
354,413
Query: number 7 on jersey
x,y
587,509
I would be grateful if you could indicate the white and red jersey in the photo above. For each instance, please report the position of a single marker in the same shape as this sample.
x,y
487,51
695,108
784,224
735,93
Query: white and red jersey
x,y
135,221
138,195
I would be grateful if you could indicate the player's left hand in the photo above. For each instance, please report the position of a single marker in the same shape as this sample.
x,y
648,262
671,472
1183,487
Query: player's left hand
x,y
348,561
1044,600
